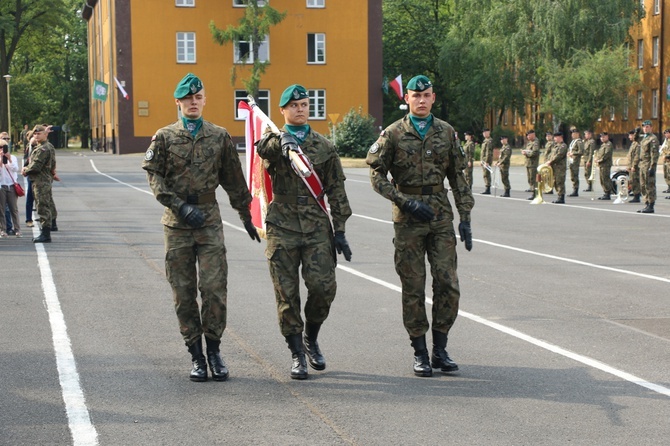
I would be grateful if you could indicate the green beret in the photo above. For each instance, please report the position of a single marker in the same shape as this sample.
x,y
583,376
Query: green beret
x,y
190,84
419,83
293,93
647,122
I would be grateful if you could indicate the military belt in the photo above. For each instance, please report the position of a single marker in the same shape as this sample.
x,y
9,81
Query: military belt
x,y
209,197
292,199
421,190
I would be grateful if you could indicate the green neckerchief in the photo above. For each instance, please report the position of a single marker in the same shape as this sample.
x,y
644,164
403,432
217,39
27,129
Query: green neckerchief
x,y
299,131
421,125
192,125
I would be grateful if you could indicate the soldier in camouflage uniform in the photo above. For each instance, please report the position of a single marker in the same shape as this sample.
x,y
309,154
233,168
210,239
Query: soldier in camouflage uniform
x,y
648,160
532,154
548,148
487,159
632,161
299,230
503,164
185,164
469,149
589,151
557,162
603,159
420,151
575,152
40,170
665,159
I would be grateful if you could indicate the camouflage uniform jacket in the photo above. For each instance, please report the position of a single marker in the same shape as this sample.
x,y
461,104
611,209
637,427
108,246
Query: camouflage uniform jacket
x,y
664,152
633,156
532,154
416,162
487,151
469,149
649,151
179,165
42,163
505,155
548,148
558,154
577,149
589,150
305,218
603,155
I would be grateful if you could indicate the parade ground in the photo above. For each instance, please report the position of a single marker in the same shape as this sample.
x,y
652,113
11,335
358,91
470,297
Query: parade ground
x,y
563,335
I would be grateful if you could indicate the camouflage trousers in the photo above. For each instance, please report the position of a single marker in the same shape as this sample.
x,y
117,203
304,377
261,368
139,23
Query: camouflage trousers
x,y
413,242
634,180
183,248
531,173
44,203
647,184
587,173
559,178
504,176
605,179
468,171
666,174
487,176
574,172
286,251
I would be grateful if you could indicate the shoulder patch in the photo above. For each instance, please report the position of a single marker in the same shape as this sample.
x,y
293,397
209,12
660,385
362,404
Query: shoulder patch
x,y
153,138
382,133
374,148
149,155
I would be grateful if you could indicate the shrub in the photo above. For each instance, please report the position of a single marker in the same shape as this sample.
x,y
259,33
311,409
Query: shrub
x,y
355,134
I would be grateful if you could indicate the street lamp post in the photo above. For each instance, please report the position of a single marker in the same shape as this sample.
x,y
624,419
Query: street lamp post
x,y
8,77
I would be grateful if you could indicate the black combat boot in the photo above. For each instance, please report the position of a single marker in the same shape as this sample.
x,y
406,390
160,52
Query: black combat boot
x,y
649,209
560,199
440,357
421,360
589,188
54,226
574,193
605,197
506,194
216,364
532,197
487,191
299,367
667,191
314,355
636,198
44,237
199,370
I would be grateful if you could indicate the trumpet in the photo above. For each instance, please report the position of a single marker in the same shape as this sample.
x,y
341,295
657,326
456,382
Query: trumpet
x,y
545,182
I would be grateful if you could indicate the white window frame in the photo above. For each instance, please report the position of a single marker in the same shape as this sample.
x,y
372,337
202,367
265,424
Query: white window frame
x,y
640,104
262,99
264,51
657,7
184,40
319,44
612,113
243,3
654,103
316,3
624,114
654,51
505,120
533,114
184,3
317,101
640,54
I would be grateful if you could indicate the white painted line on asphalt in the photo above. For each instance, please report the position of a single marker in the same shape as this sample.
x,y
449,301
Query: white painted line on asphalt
x,y
82,429
119,181
517,334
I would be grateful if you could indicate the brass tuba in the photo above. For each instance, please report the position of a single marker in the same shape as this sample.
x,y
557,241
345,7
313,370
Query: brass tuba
x,y
545,182
620,182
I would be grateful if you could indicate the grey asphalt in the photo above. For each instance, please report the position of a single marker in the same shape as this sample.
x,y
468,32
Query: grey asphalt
x,y
558,275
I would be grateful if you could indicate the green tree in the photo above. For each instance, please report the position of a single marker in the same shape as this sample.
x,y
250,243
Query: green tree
x,y
253,28
355,134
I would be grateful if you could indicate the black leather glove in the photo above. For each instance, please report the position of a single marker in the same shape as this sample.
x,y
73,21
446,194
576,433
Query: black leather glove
x,y
342,246
192,215
288,142
251,230
466,234
651,171
419,209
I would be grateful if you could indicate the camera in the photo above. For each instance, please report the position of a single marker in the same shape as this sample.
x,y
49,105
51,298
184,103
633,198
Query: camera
x,y
5,149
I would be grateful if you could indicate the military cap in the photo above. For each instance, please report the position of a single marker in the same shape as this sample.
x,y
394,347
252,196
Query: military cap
x,y
549,132
647,122
486,129
467,132
574,130
419,83
190,84
604,134
632,132
529,132
666,131
588,131
558,134
503,137
293,93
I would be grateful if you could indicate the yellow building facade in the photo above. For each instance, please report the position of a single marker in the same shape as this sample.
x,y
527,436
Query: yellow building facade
x,y
332,47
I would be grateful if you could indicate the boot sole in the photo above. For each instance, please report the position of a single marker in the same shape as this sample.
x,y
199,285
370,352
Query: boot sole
x,y
424,374
299,376
220,378
317,366
197,380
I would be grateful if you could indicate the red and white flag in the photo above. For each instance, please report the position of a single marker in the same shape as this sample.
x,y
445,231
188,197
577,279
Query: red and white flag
x,y
396,85
121,89
259,182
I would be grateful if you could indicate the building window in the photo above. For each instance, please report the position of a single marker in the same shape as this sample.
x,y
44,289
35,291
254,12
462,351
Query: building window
x,y
316,3
639,104
624,116
654,104
657,6
654,52
317,104
243,3
640,54
316,48
185,3
612,115
262,99
185,47
533,114
244,51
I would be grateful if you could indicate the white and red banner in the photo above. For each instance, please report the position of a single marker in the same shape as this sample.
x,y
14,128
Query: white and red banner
x,y
121,89
258,179
396,85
